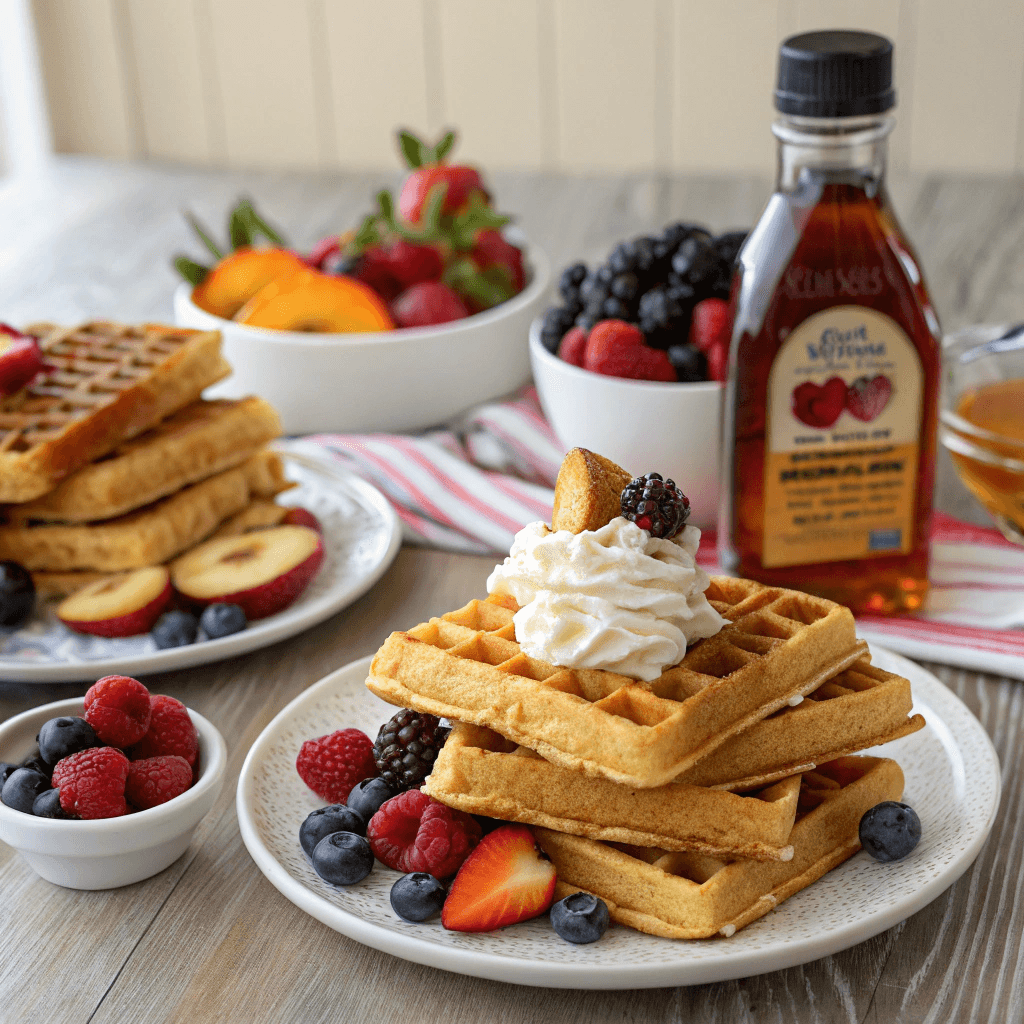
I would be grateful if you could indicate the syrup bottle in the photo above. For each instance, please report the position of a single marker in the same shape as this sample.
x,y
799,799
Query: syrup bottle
x,y
832,399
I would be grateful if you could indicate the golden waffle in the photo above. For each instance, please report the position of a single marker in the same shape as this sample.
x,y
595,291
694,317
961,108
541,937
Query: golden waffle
x,y
106,383
861,707
151,535
689,896
480,772
466,665
260,514
194,443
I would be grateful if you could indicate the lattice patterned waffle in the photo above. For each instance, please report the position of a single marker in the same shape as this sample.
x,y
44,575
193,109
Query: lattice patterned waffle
x,y
862,707
480,772
689,896
107,383
467,666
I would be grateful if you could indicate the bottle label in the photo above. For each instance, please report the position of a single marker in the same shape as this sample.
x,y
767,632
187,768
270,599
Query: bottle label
x,y
841,454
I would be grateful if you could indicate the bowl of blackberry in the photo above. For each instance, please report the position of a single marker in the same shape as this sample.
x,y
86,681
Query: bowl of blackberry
x,y
631,360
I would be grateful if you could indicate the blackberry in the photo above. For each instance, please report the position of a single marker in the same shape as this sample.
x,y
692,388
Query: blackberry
x,y
655,505
643,249
614,309
728,246
622,259
571,279
659,306
406,748
695,261
606,273
17,594
557,321
689,362
585,321
625,286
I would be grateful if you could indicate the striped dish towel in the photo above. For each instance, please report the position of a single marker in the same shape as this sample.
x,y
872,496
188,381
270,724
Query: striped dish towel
x,y
472,486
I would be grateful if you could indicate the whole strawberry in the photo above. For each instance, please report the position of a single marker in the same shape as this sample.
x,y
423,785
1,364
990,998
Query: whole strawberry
x,y
117,708
492,250
92,782
711,326
616,349
430,172
170,731
155,780
426,304
332,765
410,263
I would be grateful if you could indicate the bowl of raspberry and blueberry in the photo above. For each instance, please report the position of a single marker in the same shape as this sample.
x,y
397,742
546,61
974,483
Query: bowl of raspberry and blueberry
x,y
409,317
107,790
630,360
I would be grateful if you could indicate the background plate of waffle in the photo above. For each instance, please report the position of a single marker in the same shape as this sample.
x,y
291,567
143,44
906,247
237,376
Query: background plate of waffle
x,y
361,538
952,780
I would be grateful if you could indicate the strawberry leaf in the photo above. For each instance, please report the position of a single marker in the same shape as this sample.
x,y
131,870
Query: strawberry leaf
x,y
258,226
367,235
239,229
477,216
412,149
483,288
444,147
204,236
190,270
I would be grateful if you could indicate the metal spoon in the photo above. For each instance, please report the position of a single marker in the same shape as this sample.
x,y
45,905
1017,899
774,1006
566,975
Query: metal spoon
x,y
1008,341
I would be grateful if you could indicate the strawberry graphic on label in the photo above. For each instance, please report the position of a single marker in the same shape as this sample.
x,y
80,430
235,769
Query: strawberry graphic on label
x,y
867,397
819,405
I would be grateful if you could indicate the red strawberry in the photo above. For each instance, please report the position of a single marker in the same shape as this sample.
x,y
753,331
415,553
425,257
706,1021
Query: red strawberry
x,y
819,405
374,269
91,783
117,708
504,880
654,364
332,765
615,349
718,362
711,324
155,780
413,832
573,345
867,397
427,303
492,249
325,247
170,732
410,263
20,360
459,182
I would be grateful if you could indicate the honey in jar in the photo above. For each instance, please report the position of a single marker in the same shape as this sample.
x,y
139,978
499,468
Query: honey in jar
x,y
831,403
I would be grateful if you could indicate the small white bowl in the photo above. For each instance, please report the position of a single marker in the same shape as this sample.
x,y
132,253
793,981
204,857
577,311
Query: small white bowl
x,y
644,426
107,852
406,379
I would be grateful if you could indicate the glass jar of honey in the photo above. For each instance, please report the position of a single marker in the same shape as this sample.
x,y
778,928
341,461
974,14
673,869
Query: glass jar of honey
x,y
832,399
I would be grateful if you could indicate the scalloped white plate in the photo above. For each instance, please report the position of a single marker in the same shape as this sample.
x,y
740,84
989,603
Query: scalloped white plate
x,y
362,535
952,780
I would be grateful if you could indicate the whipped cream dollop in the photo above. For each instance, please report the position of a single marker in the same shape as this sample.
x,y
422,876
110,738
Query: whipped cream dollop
x,y
614,598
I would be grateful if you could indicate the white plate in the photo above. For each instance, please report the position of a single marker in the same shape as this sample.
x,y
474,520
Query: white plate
x,y
361,538
952,780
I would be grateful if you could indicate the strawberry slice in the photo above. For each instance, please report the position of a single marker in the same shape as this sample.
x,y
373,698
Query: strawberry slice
x,y
20,360
503,881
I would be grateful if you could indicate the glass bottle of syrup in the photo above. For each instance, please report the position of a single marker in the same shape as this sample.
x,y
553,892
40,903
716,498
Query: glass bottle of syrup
x,y
832,399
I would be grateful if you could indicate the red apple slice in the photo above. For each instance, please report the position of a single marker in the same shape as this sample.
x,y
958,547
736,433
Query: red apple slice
x,y
20,360
263,572
120,606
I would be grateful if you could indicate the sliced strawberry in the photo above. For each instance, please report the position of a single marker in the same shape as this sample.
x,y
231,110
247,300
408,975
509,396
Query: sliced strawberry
x,y
504,880
20,360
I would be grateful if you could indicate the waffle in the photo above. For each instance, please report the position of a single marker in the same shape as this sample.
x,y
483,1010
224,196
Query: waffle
x,y
194,443
690,896
480,772
151,535
260,514
467,666
106,383
862,707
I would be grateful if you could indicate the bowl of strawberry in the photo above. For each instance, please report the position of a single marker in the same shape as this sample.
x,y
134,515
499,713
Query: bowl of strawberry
x,y
399,323
631,360
100,792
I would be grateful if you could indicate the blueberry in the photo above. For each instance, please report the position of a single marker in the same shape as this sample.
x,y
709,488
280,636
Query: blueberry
x,y
689,362
60,737
557,320
342,858
47,805
366,797
22,787
17,594
571,279
695,261
325,821
890,830
222,620
35,763
6,771
614,309
625,286
580,918
417,897
175,629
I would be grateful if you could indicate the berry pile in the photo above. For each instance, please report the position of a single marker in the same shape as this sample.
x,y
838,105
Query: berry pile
x,y
667,299
131,750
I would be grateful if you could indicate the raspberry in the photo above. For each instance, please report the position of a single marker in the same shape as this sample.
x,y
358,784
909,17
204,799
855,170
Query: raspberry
x,y
653,364
170,731
91,783
711,325
573,345
718,362
117,708
155,780
413,832
614,348
332,765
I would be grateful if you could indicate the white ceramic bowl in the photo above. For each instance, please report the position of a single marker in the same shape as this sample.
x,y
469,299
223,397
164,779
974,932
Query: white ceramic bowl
x,y
398,380
107,852
644,426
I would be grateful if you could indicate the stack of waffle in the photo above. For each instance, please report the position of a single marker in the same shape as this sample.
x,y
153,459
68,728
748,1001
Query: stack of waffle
x,y
692,804
111,460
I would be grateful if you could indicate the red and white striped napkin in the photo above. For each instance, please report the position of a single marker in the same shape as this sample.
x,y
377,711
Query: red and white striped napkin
x,y
472,486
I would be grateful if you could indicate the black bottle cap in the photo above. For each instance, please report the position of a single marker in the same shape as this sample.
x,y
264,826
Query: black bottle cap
x,y
835,74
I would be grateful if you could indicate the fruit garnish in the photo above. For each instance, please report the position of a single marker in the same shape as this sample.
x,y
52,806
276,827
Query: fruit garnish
x,y
407,746
587,492
21,360
117,708
414,832
331,765
655,505
92,782
155,780
503,881
427,304
342,858
428,172
123,605
222,619
242,275
325,821
890,830
573,345
17,594
617,349
175,628
21,789
60,737
170,731
711,324
580,918
417,896
367,797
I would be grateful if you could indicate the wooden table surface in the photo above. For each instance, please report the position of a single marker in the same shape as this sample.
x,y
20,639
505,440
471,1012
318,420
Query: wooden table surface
x,y
209,939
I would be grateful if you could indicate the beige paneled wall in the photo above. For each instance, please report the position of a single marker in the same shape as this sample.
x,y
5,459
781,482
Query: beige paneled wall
x,y
577,85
